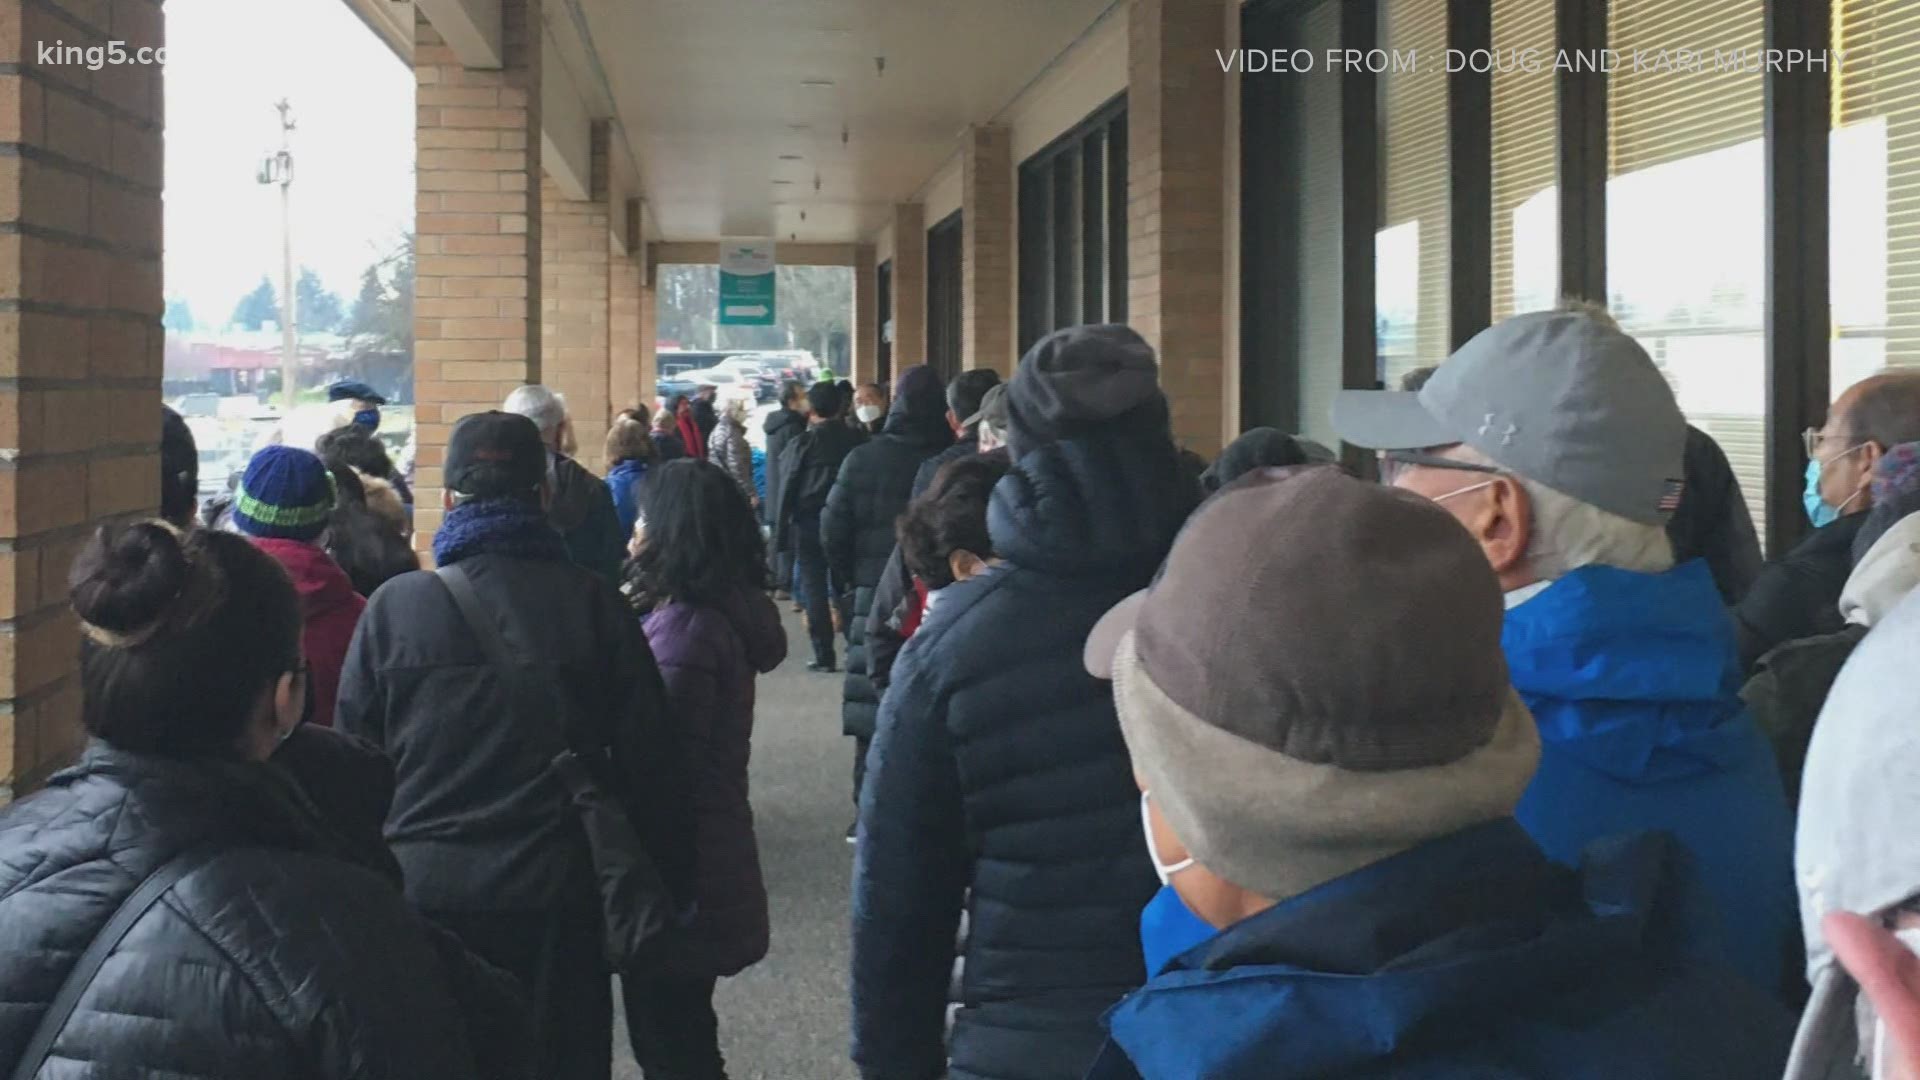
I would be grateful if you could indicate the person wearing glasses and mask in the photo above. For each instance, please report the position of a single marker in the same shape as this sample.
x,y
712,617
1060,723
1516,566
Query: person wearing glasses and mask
x,y
1556,441
1798,595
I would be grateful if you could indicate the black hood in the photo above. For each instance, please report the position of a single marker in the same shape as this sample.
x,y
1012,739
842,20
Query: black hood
x,y
784,419
1103,505
919,410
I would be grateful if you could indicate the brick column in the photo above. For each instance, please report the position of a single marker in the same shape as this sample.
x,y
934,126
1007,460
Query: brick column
x,y
986,248
574,334
80,343
476,316
1176,213
909,286
866,314
624,388
649,334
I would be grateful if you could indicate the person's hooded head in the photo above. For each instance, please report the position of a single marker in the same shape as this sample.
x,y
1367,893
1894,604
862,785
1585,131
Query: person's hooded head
x,y
1551,436
1270,761
1263,447
1085,380
1859,799
919,407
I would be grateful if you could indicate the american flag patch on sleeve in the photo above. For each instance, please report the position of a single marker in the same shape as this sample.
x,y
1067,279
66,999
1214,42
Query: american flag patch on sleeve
x,y
1670,495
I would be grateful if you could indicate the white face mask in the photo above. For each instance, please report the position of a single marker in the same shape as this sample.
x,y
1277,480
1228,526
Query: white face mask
x,y
1153,850
1885,1060
867,413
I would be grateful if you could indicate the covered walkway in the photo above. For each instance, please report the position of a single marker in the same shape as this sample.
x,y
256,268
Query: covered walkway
x,y
786,1017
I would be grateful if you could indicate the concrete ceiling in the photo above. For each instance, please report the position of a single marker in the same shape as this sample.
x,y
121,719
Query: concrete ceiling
x,y
713,92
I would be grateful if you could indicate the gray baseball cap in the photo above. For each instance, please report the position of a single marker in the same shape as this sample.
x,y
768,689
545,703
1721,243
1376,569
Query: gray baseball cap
x,y
1557,397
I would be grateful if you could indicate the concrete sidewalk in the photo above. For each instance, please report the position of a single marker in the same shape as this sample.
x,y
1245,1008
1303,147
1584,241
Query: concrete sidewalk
x,y
786,1017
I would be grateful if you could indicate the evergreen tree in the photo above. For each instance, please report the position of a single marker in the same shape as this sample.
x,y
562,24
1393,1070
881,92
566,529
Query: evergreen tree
x,y
257,308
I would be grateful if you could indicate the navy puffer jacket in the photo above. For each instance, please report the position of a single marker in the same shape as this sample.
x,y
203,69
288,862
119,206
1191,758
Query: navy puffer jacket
x,y
875,484
999,767
278,957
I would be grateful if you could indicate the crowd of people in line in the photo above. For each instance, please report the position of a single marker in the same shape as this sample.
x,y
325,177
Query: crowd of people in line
x,y
1496,751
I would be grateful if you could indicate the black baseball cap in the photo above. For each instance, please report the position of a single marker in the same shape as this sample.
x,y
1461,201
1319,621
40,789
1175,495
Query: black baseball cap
x,y
495,453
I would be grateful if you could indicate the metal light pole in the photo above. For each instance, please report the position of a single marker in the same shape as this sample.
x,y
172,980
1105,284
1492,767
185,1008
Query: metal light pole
x,y
278,169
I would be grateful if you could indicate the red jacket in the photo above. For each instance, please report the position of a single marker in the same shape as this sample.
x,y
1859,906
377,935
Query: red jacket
x,y
329,610
690,431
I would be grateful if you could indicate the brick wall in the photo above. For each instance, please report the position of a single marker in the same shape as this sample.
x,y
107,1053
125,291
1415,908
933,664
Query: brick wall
x,y
80,342
866,314
476,318
624,389
1176,223
909,286
986,248
574,313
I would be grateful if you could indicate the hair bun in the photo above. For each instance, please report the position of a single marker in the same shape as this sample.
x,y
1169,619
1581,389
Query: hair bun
x,y
126,578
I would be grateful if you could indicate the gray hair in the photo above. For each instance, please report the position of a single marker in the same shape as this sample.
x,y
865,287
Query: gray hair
x,y
1569,534
545,408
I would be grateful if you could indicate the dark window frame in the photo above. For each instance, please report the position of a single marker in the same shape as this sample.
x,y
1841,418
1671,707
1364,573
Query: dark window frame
x,y
945,342
1073,227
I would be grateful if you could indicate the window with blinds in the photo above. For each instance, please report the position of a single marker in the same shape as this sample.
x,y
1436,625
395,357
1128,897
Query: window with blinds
x,y
1410,251
1875,232
1526,237
1073,228
1686,212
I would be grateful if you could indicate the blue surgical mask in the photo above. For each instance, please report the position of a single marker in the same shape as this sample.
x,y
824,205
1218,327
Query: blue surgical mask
x,y
1168,928
1818,511
368,418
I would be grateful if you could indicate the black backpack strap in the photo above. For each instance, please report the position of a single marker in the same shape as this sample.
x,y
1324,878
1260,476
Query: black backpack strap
x,y
136,905
474,613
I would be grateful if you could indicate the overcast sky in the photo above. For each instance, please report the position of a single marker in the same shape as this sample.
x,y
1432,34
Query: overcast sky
x,y
228,61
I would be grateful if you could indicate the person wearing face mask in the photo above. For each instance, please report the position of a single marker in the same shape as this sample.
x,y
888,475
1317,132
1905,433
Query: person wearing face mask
x,y
856,531
285,502
998,781
491,848
943,535
1557,443
1796,595
1344,832
240,934
1854,855
359,401
869,407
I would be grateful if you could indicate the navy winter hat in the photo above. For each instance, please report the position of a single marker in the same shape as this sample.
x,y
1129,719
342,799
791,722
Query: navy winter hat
x,y
286,493
353,390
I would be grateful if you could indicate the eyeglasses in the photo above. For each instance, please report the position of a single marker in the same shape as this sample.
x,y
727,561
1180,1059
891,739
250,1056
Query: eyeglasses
x,y
1394,463
1813,438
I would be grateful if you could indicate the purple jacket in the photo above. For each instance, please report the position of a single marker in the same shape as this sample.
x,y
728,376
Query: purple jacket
x,y
709,657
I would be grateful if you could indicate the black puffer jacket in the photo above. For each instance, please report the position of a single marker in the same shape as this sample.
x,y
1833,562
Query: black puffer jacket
x,y
883,640
277,958
999,767
782,426
857,530
478,821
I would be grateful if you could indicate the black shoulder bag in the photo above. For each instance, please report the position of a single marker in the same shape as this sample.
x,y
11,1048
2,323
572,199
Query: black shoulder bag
x,y
636,907
138,903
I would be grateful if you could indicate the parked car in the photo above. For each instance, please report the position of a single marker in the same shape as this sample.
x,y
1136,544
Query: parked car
x,y
766,379
728,384
668,387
